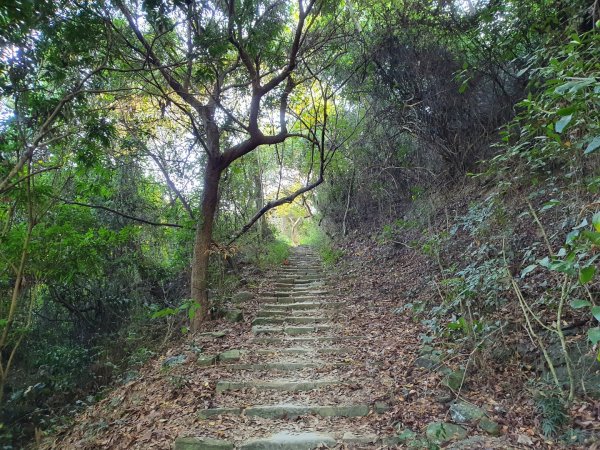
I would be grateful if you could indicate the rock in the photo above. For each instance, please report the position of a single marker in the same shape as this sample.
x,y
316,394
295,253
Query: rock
x,y
242,297
196,349
230,355
406,435
426,350
408,439
212,335
463,412
454,380
193,443
234,315
444,370
291,441
524,439
206,360
428,362
381,407
490,427
444,398
481,442
357,439
440,432
173,361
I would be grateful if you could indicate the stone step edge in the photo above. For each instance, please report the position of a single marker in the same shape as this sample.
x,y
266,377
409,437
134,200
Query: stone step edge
x,y
290,412
278,313
303,351
291,329
296,320
289,339
297,299
286,440
283,366
276,385
302,305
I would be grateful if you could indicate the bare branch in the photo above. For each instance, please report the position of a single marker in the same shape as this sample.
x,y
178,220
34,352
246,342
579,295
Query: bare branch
x,y
274,204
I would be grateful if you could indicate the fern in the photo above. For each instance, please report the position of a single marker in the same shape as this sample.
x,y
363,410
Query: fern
x,y
554,415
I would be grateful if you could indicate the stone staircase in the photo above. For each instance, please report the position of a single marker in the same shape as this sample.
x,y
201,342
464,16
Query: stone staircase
x,y
292,370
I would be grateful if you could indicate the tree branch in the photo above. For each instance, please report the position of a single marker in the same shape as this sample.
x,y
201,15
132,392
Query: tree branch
x,y
274,204
122,214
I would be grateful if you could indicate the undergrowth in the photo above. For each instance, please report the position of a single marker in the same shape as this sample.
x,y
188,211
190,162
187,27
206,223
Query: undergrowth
x,y
314,236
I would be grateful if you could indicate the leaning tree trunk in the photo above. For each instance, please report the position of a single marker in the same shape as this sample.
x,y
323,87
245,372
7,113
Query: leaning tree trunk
x,y
202,244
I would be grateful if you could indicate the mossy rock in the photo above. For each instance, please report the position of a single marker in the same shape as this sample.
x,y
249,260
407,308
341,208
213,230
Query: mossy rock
x,y
230,355
206,360
463,412
242,297
234,315
173,361
440,432
455,380
212,335
489,426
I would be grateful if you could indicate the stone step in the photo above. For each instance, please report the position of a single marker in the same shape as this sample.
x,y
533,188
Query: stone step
x,y
289,411
309,440
276,366
292,296
286,287
288,319
299,274
303,351
297,280
275,385
304,339
301,305
297,290
290,330
307,293
295,299
263,313
276,294
289,440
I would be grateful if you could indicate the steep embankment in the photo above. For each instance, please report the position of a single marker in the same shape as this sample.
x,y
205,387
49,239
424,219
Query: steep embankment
x,y
451,270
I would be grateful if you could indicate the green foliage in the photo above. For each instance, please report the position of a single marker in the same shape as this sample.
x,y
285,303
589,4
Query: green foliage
x,y
577,260
315,237
553,412
390,231
276,252
188,308
558,122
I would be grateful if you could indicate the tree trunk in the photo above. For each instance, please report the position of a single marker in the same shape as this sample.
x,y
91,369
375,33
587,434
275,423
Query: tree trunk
x,y
202,244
